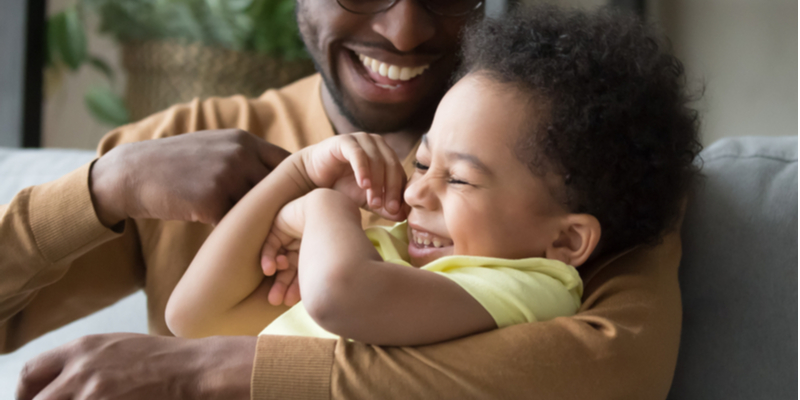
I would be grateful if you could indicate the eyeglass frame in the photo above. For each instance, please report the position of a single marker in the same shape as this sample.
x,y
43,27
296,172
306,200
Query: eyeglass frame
x,y
425,3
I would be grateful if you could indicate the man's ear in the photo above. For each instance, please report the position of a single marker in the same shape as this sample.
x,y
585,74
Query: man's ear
x,y
576,240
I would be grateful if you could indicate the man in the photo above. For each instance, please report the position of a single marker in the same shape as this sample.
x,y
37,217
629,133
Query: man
x,y
86,240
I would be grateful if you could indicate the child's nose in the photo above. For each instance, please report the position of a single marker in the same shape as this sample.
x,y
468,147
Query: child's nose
x,y
418,193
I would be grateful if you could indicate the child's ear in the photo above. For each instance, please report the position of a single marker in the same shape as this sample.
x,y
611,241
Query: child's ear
x,y
576,240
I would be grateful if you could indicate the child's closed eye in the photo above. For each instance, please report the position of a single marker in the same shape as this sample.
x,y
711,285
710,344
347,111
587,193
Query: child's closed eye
x,y
451,180
455,181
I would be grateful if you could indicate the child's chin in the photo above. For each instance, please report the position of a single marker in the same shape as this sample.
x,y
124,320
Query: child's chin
x,y
423,255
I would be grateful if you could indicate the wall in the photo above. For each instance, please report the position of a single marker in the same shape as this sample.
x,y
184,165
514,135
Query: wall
x,y
66,123
12,45
745,53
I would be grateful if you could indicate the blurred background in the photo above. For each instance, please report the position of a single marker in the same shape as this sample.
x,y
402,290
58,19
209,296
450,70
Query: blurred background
x,y
110,62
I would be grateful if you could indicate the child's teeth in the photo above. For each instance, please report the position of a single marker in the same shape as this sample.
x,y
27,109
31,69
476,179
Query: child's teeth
x,y
426,242
437,243
393,72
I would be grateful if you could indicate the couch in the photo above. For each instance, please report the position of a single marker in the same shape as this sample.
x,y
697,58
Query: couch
x,y
738,274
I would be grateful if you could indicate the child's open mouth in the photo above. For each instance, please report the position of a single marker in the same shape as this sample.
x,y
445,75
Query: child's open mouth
x,y
424,247
424,239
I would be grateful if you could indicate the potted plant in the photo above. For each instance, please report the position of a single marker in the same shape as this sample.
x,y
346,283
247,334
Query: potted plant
x,y
176,50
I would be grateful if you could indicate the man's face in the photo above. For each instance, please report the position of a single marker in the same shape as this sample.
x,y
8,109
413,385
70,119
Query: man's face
x,y
415,49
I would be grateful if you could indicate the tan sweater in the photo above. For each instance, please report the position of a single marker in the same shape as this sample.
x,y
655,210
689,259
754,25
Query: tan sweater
x,y
59,263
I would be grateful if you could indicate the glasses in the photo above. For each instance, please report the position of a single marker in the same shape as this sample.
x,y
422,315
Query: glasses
x,y
448,8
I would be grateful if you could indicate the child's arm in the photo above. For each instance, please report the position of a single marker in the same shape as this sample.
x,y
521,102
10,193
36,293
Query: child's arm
x,y
348,289
224,291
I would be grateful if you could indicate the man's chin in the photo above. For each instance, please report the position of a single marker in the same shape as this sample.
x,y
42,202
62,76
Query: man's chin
x,y
387,119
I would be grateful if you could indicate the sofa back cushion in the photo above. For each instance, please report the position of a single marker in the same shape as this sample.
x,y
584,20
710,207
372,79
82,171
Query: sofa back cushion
x,y
22,168
738,274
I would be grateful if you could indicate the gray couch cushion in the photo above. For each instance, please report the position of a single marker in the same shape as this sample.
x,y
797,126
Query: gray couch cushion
x,y
23,168
739,274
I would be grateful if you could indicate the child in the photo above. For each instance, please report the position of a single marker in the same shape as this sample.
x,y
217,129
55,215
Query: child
x,y
563,126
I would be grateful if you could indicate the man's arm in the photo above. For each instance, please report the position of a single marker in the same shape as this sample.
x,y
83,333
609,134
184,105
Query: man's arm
x,y
52,247
623,344
60,260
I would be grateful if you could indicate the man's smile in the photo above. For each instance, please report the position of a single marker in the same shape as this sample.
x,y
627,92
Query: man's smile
x,y
384,78
394,73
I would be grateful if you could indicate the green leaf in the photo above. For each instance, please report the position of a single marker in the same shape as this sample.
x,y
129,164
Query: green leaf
x,y
102,67
65,33
106,106
55,29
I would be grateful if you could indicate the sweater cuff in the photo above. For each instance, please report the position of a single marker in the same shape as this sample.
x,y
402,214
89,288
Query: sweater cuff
x,y
63,219
292,367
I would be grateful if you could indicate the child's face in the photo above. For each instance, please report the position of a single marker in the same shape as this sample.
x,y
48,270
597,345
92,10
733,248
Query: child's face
x,y
470,194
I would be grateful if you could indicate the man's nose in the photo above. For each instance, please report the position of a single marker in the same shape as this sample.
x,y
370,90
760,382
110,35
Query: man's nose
x,y
419,194
407,25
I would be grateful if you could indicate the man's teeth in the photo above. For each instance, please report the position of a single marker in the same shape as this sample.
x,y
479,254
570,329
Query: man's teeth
x,y
392,71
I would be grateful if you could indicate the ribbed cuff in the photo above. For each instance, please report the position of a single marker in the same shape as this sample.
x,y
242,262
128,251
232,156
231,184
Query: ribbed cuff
x,y
292,367
63,219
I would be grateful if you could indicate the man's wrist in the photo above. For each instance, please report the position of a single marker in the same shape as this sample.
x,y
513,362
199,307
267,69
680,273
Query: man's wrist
x,y
101,189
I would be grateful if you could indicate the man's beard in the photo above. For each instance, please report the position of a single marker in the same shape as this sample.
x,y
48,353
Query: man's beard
x,y
420,119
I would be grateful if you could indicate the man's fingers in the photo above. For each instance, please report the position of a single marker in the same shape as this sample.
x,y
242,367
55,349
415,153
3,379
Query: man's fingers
x,y
38,373
256,174
58,389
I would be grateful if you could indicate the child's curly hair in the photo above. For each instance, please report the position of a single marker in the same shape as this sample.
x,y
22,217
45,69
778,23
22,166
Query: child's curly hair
x,y
620,132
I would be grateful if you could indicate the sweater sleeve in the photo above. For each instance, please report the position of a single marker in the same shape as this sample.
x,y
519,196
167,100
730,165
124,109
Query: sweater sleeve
x,y
59,263
622,344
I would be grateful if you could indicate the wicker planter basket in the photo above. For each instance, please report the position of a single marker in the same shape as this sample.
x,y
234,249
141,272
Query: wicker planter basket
x,y
161,74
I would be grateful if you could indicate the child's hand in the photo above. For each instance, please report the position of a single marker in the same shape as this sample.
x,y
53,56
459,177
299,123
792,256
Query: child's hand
x,y
363,167
280,251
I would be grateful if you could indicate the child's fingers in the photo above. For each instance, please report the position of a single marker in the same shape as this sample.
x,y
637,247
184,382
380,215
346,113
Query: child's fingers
x,y
283,262
276,293
282,281
292,296
395,177
376,163
353,153
268,254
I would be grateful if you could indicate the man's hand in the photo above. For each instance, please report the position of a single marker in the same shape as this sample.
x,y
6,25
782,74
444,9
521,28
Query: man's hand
x,y
131,366
191,177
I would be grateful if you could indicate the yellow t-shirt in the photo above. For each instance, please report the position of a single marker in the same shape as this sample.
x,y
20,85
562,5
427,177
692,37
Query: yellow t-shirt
x,y
512,291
